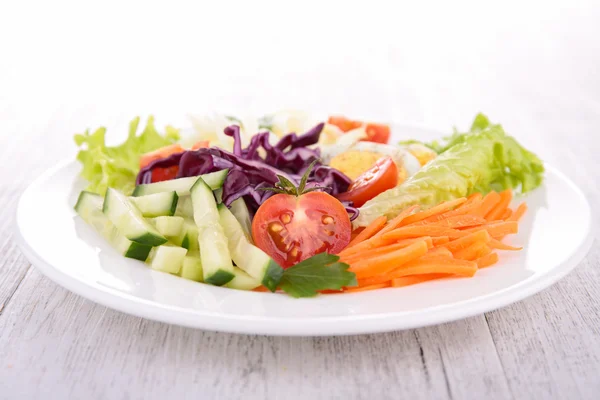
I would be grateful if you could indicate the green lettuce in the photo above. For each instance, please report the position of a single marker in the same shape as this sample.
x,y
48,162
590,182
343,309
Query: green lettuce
x,y
117,166
481,160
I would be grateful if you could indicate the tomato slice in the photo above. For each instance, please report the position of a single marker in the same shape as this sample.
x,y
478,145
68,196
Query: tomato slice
x,y
379,178
291,228
378,133
158,154
164,174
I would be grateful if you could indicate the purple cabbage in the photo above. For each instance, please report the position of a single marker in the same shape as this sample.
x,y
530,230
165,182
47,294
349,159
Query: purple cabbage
x,y
251,169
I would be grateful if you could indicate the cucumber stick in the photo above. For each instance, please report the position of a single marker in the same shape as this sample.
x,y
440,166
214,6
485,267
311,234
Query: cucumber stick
x,y
240,212
184,207
246,256
166,258
217,268
168,226
188,237
181,185
89,208
157,204
192,267
242,281
129,220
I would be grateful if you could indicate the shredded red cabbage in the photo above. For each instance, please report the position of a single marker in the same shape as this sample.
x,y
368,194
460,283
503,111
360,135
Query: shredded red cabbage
x,y
257,166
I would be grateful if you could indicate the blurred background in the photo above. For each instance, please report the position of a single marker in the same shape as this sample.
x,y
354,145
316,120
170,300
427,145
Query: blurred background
x,y
435,62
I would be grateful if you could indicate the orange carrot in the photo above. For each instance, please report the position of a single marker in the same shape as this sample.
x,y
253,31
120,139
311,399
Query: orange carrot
x,y
470,253
465,208
378,251
370,230
384,263
261,289
473,197
506,215
439,209
396,221
414,279
489,201
371,243
437,241
496,212
483,251
423,230
436,265
488,260
496,244
497,229
464,242
368,287
518,213
439,251
460,221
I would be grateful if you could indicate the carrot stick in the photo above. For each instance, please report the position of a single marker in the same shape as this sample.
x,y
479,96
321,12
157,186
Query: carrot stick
x,y
471,253
396,221
496,244
437,241
384,263
489,201
439,251
497,229
483,251
506,215
487,261
464,242
261,289
495,213
378,251
460,221
375,241
370,230
518,213
414,279
368,287
440,208
465,208
473,197
423,230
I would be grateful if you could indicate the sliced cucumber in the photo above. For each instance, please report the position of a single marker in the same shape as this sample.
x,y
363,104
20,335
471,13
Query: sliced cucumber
x,y
156,204
240,212
246,256
219,195
184,207
167,258
168,226
192,268
89,208
217,268
188,237
129,220
242,281
182,185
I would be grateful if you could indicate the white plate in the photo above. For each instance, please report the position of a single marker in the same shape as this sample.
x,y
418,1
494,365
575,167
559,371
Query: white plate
x,y
555,233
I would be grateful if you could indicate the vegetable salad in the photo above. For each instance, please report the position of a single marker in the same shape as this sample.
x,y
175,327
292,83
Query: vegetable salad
x,y
287,203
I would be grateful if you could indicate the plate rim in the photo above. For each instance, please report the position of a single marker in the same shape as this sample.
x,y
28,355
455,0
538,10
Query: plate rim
x,y
311,326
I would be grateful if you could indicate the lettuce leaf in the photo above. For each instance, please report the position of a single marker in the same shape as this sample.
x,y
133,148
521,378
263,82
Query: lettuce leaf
x,y
117,166
484,159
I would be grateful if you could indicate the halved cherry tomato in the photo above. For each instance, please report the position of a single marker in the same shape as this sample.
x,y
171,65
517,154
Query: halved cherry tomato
x,y
381,177
163,152
164,174
293,228
378,133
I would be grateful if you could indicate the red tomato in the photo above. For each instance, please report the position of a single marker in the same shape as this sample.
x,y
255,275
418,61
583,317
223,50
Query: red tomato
x,y
164,174
381,177
163,152
378,133
293,228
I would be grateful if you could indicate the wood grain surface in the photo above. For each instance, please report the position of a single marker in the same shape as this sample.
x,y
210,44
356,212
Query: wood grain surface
x,y
534,69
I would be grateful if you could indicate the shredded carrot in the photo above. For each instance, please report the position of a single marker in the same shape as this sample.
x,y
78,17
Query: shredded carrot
x,y
368,287
394,223
472,252
460,221
383,263
496,212
487,261
496,244
465,208
439,209
473,197
439,240
414,279
489,202
497,229
370,230
423,230
464,242
506,215
375,241
378,251
438,251
518,213
436,265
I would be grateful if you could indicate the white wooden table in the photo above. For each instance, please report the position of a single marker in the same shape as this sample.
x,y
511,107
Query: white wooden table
x,y
533,68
